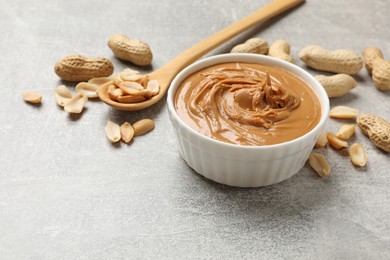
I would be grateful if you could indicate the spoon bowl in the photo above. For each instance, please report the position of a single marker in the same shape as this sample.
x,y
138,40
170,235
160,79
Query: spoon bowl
x,y
159,75
166,74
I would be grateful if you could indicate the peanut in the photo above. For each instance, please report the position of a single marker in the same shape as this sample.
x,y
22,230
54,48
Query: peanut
x,y
130,75
321,141
113,132
319,163
62,95
76,103
131,87
135,51
381,74
100,81
117,79
254,45
114,93
127,132
338,61
369,55
89,89
281,49
343,112
345,132
358,155
79,68
32,97
377,129
130,99
143,126
337,85
379,68
336,142
153,86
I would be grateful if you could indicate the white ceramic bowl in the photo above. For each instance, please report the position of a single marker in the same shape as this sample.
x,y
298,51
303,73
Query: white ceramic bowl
x,y
245,166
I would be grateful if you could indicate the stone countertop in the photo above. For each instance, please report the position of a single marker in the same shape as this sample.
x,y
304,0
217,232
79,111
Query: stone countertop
x,y
67,193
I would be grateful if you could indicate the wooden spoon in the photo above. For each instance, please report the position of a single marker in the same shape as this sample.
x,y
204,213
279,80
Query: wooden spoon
x,y
166,74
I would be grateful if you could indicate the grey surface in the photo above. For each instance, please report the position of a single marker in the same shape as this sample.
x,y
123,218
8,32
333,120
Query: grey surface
x,y
67,193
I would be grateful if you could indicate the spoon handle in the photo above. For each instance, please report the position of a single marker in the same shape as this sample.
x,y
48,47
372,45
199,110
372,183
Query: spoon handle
x,y
192,54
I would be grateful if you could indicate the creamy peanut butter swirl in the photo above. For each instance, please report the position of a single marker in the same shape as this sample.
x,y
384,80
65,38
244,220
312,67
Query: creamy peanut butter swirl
x,y
247,104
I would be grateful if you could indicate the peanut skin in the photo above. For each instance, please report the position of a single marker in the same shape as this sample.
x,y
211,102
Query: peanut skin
x,y
135,51
79,68
338,61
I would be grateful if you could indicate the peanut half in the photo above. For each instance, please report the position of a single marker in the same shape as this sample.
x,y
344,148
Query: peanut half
x,y
127,132
343,112
130,86
338,61
345,132
130,99
321,141
379,68
113,132
358,155
377,129
114,93
130,75
89,89
100,81
336,142
319,163
254,45
32,97
337,85
153,86
280,49
135,51
143,126
79,68
76,103
62,95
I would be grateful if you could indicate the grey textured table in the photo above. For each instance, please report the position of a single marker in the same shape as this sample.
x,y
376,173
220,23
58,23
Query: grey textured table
x,y
67,193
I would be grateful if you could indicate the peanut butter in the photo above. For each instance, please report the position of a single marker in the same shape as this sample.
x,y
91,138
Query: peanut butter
x,y
247,104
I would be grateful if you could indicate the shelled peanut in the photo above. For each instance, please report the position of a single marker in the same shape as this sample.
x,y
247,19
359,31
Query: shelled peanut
x,y
338,141
319,163
126,131
130,86
343,112
32,97
71,103
358,155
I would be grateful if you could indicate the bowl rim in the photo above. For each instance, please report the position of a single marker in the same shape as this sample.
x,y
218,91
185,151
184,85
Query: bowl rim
x,y
263,60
